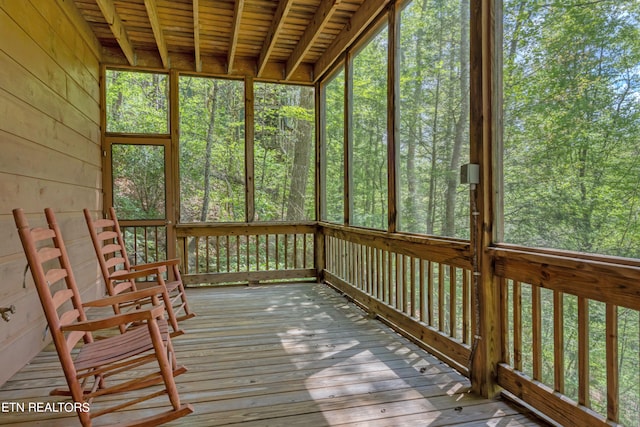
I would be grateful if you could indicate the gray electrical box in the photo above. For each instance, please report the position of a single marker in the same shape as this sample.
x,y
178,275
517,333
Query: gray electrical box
x,y
470,174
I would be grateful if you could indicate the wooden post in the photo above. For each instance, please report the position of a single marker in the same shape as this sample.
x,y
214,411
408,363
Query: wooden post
x,y
486,343
321,185
172,165
348,137
393,115
248,149
107,192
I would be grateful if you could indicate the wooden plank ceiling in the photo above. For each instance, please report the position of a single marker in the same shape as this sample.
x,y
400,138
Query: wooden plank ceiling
x,y
282,40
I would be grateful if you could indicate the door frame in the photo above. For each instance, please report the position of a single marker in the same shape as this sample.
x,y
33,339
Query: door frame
x,y
169,220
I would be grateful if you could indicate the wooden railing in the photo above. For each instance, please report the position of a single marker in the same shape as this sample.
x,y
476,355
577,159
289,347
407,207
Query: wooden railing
x,y
571,334
420,285
569,323
247,252
144,243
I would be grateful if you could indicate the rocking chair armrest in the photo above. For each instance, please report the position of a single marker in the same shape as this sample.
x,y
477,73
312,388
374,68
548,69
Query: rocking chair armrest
x,y
166,263
116,320
125,297
132,275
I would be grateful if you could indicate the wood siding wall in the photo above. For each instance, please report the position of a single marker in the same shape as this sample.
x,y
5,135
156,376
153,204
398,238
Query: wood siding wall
x,y
49,155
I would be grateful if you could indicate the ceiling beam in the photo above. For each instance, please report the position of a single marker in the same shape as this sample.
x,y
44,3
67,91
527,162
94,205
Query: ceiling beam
x,y
315,27
211,65
360,20
196,35
117,28
235,31
152,12
272,35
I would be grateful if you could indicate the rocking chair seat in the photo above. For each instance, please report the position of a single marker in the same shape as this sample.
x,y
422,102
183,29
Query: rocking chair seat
x,y
118,347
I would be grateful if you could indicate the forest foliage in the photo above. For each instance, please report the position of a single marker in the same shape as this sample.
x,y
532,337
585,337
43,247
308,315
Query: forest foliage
x,y
571,103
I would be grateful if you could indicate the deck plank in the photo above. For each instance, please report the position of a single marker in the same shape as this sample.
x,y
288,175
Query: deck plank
x,y
292,355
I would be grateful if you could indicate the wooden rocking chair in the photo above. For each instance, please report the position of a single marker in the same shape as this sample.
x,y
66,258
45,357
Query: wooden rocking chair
x,y
120,276
106,366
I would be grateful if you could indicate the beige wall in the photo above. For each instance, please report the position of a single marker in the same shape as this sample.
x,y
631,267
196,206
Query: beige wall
x,y
49,154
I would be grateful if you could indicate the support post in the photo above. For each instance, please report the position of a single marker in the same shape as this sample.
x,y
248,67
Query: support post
x,y
486,343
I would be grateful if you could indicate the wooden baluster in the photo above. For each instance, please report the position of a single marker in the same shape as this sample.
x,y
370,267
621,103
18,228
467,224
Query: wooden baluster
x,y
355,254
362,267
217,247
430,271
517,325
349,261
278,252
453,284
197,254
286,251
412,291
353,258
613,384
338,260
378,255
157,246
369,282
135,245
295,251
583,352
185,254
558,341
247,250
238,252
305,237
466,304
341,259
227,253
390,270
266,251
441,311
207,252
536,321
422,290
404,286
145,244
257,247
383,275
398,284
504,316
329,263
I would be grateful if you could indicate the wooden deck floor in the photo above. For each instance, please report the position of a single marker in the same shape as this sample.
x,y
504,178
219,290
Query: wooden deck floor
x,y
292,355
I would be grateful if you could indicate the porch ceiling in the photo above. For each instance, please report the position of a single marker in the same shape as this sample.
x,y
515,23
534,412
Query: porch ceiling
x,y
270,39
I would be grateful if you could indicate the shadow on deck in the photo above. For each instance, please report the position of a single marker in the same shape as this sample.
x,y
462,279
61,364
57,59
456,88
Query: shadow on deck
x,y
292,355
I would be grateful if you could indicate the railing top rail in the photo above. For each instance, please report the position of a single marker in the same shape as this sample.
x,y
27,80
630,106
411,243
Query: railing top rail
x,y
245,228
506,248
451,252
595,279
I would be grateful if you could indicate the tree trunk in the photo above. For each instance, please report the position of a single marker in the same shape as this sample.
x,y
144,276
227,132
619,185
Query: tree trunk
x,y
461,123
212,101
300,168
431,207
410,210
